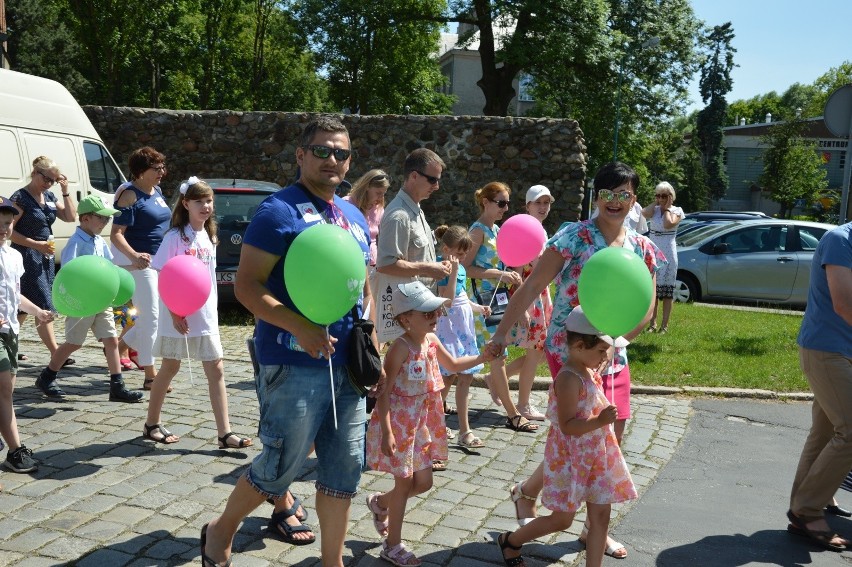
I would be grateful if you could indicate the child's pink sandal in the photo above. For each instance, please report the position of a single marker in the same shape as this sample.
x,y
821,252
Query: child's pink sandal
x,y
399,555
380,525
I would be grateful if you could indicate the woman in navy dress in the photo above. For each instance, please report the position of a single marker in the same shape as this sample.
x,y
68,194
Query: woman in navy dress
x,y
31,237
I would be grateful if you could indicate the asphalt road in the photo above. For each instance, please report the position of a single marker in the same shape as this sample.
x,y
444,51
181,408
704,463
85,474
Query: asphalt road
x,y
721,499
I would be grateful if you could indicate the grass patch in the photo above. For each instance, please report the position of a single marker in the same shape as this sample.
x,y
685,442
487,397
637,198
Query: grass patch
x,y
717,347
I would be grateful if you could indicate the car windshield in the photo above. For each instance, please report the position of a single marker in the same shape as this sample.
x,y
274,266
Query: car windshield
x,y
234,210
693,237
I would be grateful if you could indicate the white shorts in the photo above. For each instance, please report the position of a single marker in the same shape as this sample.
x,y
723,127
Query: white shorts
x,y
205,348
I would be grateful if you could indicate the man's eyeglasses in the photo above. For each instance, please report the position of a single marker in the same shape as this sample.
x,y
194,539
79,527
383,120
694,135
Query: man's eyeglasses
x,y
500,203
46,178
609,196
323,152
159,168
430,178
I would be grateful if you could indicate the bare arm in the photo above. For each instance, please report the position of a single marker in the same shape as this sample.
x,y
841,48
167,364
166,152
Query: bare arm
x,y
66,210
648,212
252,273
405,269
567,387
458,364
840,289
546,269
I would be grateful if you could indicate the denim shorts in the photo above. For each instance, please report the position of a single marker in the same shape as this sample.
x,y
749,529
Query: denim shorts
x,y
295,411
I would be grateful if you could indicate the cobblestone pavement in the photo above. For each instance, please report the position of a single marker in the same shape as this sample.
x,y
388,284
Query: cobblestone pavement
x,y
103,496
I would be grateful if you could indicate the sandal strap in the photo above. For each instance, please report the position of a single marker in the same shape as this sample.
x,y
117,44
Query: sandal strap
x,y
224,440
400,554
518,493
157,427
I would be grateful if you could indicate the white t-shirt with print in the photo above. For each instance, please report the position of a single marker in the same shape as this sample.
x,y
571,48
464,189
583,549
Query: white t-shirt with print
x,y
205,321
11,270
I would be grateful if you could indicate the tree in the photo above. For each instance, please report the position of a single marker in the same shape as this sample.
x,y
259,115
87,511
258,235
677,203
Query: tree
x,y
714,84
378,58
826,84
792,167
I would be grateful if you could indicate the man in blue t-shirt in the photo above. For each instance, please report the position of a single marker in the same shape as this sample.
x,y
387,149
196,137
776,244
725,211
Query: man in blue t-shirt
x,y
825,355
294,394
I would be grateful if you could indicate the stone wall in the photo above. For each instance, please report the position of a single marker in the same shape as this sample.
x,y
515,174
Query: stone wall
x,y
261,145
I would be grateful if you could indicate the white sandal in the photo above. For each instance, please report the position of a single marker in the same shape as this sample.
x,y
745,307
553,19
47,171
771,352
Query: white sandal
x,y
469,440
516,493
399,555
373,505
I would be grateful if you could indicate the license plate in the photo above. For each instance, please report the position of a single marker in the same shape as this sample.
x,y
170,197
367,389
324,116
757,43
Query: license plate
x,y
226,278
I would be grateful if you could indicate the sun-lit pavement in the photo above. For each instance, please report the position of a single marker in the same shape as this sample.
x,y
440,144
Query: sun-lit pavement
x,y
103,496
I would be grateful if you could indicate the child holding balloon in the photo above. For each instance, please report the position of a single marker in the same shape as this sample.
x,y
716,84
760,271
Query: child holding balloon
x,y
87,241
456,329
189,324
583,460
407,430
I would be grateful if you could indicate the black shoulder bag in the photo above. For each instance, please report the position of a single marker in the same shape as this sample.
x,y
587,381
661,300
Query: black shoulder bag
x,y
498,305
365,364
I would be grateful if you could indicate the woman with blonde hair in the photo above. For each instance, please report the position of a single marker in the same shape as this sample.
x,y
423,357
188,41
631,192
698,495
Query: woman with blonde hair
x,y
488,273
663,218
33,238
368,194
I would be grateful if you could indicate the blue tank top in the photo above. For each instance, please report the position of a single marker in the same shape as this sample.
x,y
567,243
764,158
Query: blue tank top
x,y
147,220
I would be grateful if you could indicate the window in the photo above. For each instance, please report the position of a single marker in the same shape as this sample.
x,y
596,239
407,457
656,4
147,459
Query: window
x,y
809,237
103,173
525,85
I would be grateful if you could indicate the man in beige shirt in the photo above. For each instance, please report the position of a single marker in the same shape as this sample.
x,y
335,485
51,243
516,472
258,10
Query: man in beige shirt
x,y
405,245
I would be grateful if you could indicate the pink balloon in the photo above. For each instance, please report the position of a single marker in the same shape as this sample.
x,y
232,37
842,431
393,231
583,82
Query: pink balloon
x,y
184,284
520,240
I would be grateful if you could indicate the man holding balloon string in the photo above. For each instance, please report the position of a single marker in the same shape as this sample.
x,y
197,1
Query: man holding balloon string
x,y
301,282
616,298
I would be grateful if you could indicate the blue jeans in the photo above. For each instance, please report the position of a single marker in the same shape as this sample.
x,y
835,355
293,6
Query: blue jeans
x,y
295,411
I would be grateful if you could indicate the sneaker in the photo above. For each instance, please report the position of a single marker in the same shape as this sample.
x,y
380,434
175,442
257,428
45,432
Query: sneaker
x,y
48,387
531,412
118,392
20,460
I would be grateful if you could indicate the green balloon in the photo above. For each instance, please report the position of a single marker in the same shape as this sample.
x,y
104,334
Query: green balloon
x,y
85,286
126,287
615,290
324,272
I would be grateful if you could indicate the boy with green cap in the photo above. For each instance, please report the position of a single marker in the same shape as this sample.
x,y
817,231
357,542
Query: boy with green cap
x,y
86,240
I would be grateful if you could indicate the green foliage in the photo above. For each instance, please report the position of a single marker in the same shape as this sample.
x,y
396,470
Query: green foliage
x,y
377,58
714,84
792,167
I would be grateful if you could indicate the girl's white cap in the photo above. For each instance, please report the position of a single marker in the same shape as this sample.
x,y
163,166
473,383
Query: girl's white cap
x,y
536,191
578,323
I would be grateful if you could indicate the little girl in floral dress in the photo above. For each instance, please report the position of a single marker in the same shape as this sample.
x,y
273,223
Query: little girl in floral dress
x,y
582,460
407,429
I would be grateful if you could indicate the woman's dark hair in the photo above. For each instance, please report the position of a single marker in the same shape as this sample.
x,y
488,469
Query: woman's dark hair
x,y
142,159
615,174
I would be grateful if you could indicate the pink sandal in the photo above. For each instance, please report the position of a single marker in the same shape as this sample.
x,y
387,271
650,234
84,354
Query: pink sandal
x,y
373,505
399,555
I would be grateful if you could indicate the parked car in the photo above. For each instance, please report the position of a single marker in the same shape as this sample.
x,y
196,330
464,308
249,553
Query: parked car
x,y
236,201
761,260
702,218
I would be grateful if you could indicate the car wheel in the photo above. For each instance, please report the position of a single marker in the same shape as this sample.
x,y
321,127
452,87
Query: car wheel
x,y
686,288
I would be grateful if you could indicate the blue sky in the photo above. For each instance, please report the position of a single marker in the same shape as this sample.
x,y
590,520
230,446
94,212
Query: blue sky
x,y
779,42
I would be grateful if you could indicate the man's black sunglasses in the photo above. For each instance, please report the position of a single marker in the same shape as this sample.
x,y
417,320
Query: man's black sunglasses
x,y
430,178
323,152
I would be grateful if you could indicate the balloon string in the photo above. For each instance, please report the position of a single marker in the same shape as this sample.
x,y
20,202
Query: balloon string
x,y
493,295
188,360
331,382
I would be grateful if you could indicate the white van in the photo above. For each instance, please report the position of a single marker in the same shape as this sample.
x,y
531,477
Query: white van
x,y
39,117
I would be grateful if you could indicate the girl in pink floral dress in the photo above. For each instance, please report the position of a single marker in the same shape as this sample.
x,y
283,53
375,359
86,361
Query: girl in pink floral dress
x,y
407,429
582,460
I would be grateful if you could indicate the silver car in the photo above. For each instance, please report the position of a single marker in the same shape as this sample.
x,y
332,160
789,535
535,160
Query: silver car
x,y
758,260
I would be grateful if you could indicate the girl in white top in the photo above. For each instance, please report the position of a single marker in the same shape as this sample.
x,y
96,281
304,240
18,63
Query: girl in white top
x,y
193,232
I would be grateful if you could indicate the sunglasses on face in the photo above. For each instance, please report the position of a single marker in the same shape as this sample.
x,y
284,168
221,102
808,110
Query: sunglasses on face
x,y
430,178
500,203
46,178
660,196
609,196
429,315
379,177
159,168
323,152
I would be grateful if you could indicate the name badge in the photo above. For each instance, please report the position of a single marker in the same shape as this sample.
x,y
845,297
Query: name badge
x,y
417,370
309,212
502,298
160,201
51,205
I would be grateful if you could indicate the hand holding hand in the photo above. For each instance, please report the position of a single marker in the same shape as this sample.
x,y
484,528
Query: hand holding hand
x,y
142,261
44,317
